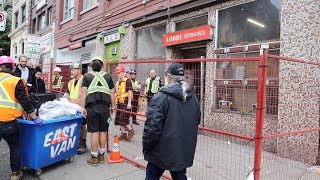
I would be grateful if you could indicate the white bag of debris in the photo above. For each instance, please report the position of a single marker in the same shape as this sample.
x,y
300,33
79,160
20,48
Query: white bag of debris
x,y
58,108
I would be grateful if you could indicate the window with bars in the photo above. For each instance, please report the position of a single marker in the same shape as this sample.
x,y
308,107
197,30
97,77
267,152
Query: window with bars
x,y
68,9
87,4
236,84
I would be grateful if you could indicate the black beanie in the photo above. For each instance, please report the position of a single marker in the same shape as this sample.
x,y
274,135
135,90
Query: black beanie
x,y
37,69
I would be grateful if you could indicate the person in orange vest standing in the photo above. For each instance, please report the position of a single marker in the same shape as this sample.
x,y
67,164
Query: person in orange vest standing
x,y
73,93
13,101
123,101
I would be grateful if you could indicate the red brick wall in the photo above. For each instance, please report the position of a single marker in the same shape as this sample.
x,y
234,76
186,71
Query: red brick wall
x,y
107,15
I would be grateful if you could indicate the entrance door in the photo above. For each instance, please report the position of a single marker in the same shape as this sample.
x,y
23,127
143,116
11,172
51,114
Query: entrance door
x,y
195,72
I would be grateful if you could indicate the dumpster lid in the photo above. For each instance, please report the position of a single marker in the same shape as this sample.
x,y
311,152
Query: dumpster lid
x,y
52,120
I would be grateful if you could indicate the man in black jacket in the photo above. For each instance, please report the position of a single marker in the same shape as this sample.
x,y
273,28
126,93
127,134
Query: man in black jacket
x,y
23,71
170,132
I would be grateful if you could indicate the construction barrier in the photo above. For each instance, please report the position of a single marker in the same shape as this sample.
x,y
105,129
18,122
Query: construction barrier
x,y
260,115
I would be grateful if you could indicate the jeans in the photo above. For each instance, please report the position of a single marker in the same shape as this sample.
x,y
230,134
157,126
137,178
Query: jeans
x,y
9,131
154,173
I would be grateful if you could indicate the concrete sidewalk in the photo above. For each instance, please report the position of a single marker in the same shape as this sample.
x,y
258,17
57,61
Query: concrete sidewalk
x,y
78,169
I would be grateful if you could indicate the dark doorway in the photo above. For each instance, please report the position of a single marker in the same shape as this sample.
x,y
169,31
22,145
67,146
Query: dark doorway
x,y
195,71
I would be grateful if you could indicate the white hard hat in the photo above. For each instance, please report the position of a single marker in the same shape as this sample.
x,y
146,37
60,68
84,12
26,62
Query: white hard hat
x,y
57,69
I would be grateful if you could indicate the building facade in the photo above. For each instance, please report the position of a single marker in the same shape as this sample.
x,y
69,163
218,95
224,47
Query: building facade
x,y
79,24
41,31
6,5
224,28
19,30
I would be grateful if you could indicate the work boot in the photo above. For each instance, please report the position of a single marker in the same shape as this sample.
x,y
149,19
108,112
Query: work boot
x,y
16,175
135,122
101,158
82,147
123,136
130,134
93,161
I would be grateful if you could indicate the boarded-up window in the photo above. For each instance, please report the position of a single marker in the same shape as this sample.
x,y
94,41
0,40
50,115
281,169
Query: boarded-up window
x,y
149,42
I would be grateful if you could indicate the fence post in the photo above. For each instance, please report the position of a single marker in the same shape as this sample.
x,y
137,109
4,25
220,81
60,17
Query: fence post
x,y
260,113
50,75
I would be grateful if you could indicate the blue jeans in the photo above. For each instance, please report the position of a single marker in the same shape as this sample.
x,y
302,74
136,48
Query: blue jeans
x,y
154,173
9,131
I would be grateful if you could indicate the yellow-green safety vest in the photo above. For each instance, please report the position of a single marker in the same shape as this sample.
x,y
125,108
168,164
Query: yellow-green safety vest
x,y
98,77
74,91
58,84
135,83
155,85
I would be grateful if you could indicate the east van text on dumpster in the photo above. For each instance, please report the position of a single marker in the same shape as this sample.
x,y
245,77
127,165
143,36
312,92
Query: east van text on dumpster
x,y
60,140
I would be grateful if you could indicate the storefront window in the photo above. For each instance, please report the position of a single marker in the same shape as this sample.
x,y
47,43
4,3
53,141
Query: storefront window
x,y
253,22
192,23
236,85
149,42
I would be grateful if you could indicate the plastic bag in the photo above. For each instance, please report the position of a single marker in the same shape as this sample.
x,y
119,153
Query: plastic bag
x,y
55,109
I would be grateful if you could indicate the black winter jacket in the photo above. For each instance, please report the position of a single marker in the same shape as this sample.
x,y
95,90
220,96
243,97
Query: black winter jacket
x,y
171,128
38,86
17,73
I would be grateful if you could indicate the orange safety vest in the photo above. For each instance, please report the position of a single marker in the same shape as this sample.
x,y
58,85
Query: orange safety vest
x,y
10,108
121,94
75,91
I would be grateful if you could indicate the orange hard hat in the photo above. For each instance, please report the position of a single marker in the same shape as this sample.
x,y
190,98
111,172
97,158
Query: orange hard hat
x,y
119,69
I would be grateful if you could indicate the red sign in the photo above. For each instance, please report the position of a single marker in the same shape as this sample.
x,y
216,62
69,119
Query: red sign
x,y
2,17
76,45
186,36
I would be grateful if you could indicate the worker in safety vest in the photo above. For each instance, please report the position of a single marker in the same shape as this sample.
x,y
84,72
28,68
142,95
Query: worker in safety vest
x,y
136,85
123,101
152,85
13,102
73,93
57,83
96,101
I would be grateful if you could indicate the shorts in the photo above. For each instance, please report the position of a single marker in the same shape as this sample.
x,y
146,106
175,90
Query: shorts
x,y
84,121
97,117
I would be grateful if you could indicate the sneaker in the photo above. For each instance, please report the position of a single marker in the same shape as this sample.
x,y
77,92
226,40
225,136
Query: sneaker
x,y
130,134
16,175
82,147
123,136
135,122
101,158
93,161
